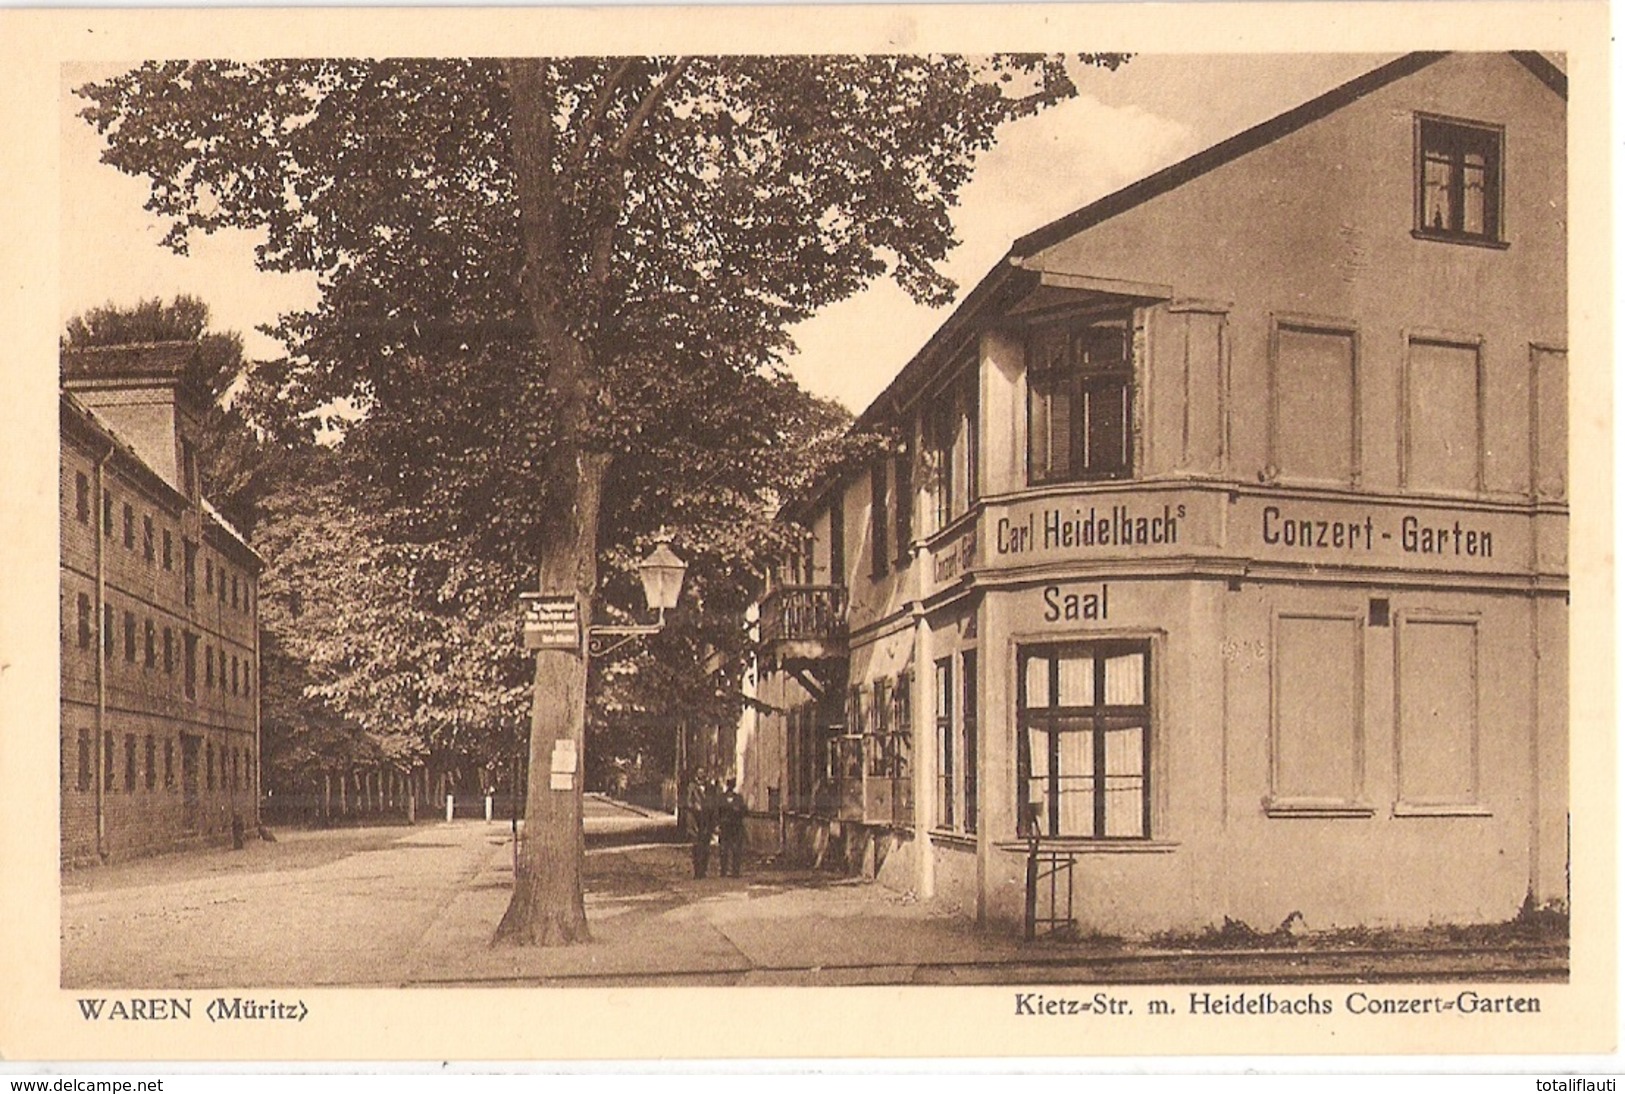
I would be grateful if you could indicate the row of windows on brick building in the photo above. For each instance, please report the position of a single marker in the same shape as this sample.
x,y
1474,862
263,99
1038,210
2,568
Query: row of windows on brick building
x,y
224,768
237,591
215,665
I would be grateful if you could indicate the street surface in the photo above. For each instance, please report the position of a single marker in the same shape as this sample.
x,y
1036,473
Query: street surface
x,y
401,906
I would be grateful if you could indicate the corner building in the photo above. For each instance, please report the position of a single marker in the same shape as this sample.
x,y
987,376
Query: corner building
x,y
159,612
1223,545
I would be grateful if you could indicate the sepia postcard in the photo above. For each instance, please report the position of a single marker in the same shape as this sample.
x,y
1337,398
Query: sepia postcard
x,y
712,532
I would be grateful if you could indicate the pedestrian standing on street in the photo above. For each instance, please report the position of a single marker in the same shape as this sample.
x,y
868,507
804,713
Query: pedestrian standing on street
x,y
731,829
693,806
703,811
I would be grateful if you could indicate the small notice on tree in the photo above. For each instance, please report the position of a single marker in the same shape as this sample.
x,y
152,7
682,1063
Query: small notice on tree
x,y
562,775
551,623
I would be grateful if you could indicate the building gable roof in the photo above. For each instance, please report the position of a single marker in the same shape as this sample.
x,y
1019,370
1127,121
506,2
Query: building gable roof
x,y
906,383
86,426
81,419
1248,140
1214,156
1008,274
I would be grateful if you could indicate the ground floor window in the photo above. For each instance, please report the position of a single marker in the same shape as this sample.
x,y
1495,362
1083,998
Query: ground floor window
x,y
945,743
968,726
1083,740
956,743
808,757
86,777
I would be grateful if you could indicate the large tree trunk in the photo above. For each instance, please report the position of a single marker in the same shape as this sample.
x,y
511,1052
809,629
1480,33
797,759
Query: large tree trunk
x,y
547,908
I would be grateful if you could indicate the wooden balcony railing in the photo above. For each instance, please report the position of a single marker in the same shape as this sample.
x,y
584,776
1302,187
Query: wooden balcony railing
x,y
814,615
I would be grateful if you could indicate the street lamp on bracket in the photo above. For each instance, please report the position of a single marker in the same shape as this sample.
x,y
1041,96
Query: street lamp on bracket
x,y
662,575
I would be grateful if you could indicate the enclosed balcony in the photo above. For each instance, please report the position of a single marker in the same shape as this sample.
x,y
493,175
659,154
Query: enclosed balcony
x,y
803,625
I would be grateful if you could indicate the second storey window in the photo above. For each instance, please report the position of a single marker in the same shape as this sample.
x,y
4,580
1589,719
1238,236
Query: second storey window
x,y
952,428
189,663
1458,183
1080,380
837,538
1314,423
189,551
903,488
879,542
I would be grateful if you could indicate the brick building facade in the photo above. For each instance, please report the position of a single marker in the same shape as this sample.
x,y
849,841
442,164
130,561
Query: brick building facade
x,y
159,640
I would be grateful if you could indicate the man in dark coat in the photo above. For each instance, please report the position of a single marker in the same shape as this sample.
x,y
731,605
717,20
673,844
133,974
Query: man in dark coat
x,y
731,829
702,818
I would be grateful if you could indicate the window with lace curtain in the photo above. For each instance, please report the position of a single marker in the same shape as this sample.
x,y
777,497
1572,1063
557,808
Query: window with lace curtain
x,y
1083,740
1458,181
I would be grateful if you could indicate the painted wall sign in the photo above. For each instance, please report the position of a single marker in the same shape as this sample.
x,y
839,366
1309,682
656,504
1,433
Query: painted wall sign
x,y
1072,604
1417,535
1062,527
1420,537
950,561
1093,525
1119,525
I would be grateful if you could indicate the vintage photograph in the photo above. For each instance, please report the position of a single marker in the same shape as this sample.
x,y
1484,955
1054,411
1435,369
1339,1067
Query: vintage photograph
x,y
679,534
814,520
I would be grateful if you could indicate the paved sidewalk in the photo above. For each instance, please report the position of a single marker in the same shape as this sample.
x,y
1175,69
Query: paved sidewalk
x,y
653,923
418,906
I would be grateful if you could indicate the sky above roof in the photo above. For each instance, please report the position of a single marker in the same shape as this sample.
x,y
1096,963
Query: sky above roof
x,y
1152,112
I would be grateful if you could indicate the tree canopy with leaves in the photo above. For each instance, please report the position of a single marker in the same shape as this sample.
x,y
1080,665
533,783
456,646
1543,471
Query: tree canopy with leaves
x,y
525,264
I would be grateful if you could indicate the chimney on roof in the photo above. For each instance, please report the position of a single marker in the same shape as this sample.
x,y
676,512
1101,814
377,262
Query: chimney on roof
x,y
146,393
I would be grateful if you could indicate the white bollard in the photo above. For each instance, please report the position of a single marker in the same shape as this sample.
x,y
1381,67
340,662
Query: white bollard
x,y
487,809
448,808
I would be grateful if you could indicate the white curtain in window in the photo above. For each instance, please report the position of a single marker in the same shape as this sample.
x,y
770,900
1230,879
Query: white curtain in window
x,y
1077,680
1125,679
1125,778
1077,786
1038,782
1037,683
